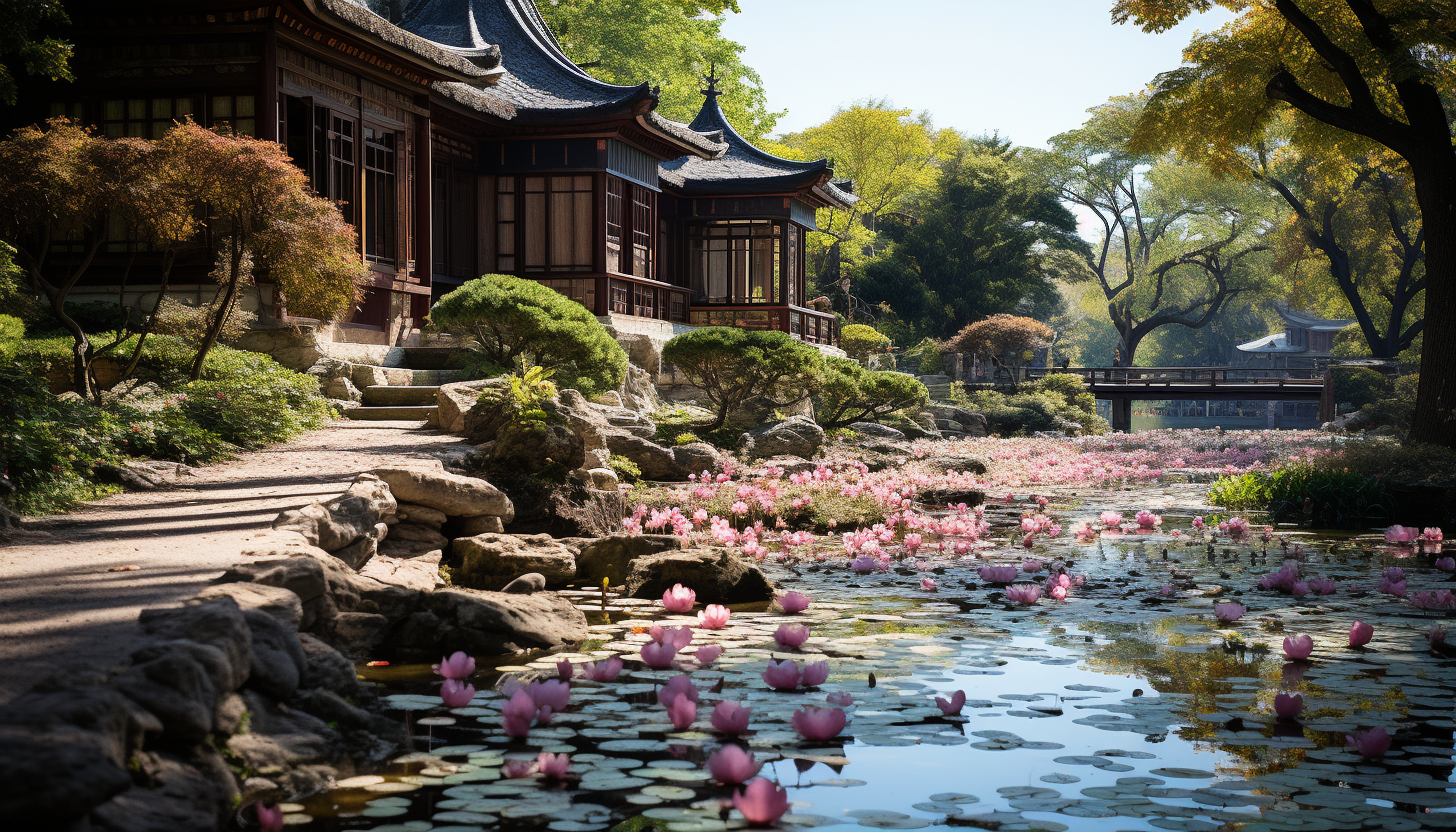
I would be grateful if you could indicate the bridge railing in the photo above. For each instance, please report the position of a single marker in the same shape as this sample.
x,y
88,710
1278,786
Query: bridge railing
x,y
1183,375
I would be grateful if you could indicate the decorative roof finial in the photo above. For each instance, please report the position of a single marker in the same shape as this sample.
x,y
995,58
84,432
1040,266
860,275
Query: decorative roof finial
x,y
712,79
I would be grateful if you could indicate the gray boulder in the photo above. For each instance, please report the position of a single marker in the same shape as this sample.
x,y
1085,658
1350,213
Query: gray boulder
x,y
487,623
278,602
455,399
327,669
790,464
176,688
490,560
341,388
472,526
796,436
533,447
453,494
339,522
718,576
949,458
217,623
697,457
527,584
968,422
420,515
876,431
278,658
655,461
420,573
611,557
417,533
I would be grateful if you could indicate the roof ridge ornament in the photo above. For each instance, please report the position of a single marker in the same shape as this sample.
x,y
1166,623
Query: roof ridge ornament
x,y
712,79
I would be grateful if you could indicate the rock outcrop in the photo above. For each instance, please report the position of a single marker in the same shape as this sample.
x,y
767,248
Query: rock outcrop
x,y
718,576
797,436
488,560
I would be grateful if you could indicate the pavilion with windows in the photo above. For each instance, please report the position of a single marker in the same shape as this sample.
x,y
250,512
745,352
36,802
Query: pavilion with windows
x,y
460,140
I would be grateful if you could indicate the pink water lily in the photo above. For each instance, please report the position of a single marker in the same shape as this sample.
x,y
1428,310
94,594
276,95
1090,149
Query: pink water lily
x,y
1446,564
818,724
953,705
997,574
679,599
678,637
1027,594
456,694
1110,519
731,765
682,712
730,717
793,602
1361,633
518,713
927,585
1147,521
782,675
516,769
708,654
1372,742
681,685
602,671
1298,647
1437,635
457,666
840,698
1229,611
714,617
1288,705
565,670
1401,535
553,766
814,674
791,635
270,818
552,693
658,656
762,802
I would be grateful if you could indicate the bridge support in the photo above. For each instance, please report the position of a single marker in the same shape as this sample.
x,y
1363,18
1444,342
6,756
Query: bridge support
x,y
1327,397
1122,415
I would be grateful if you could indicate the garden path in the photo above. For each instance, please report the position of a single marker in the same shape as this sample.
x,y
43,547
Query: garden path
x,y
69,595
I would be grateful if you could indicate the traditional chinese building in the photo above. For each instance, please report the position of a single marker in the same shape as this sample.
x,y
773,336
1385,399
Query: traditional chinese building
x,y
1305,339
461,140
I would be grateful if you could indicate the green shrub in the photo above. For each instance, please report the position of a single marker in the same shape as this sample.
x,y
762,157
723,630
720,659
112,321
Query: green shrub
x,y
517,322
520,405
1396,410
49,445
861,341
1338,498
685,439
626,470
850,393
925,357
1358,386
1052,404
12,329
732,366
475,365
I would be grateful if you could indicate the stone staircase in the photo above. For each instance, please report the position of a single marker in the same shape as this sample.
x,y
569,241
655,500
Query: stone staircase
x,y
938,385
403,393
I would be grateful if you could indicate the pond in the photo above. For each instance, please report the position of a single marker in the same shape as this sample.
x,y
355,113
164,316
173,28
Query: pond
x,y
1127,706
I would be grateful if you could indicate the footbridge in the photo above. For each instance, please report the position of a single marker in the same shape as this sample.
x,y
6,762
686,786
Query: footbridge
x,y
1124,385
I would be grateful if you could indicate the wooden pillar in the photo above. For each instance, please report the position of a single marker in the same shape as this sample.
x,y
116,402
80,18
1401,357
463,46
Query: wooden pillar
x,y
1327,397
1122,415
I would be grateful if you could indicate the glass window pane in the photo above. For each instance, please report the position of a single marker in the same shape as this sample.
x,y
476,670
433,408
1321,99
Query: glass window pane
x,y
222,106
245,105
115,110
184,108
583,227
161,108
136,108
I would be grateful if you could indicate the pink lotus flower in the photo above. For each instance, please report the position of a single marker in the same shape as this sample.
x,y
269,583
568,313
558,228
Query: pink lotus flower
x,y
953,705
714,617
518,713
679,598
814,674
602,671
678,637
1147,521
997,574
708,654
731,765
1027,594
516,769
793,602
1298,647
1031,566
782,675
927,585
1446,564
682,711
270,818
762,803
565,670
1324,586
1110,519
842,699
791,635
456,694
730,717
553,766
552,693
1166,590
1401,535
1432,534
1288,705
1198,523
681,685
1229,611
1360,634
818,724
1437,635
457,666
658,656
1372,742
1059,592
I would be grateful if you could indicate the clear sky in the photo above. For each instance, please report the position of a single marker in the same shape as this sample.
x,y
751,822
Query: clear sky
x,y
1028,69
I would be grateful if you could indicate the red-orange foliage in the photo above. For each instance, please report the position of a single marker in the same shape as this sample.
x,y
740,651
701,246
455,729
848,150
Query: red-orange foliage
x,y
1003,335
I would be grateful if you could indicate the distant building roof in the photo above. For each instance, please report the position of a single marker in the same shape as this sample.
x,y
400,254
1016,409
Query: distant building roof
x,y
1302,320
1269,343
482,67
743,168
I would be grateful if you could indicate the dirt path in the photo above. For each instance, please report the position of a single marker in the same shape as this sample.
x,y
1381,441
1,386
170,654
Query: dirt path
x,y
61,606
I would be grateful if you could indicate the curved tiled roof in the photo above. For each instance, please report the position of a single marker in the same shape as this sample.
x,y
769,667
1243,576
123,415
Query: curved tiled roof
x,y
538,78
480,67
743,168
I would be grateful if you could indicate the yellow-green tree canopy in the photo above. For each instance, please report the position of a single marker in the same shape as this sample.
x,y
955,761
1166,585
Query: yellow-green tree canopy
x,y
861,340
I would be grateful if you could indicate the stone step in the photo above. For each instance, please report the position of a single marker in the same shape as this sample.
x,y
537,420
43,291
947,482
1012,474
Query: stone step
x,y
393,395
393,414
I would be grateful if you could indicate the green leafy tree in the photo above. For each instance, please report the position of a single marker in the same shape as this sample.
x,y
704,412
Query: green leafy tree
x,y
517,322
28,43
985,242
1175,243
890,154
849,393
1354,71
672,44
861,341
732,366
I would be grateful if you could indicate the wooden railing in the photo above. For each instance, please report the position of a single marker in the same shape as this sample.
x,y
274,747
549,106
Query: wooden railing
x,y
1152,376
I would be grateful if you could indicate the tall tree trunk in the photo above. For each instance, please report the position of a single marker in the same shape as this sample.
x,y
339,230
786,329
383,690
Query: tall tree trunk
x,y
136,356
1435,416
230,292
